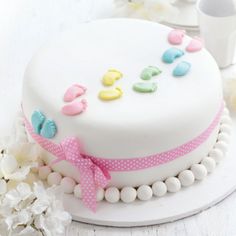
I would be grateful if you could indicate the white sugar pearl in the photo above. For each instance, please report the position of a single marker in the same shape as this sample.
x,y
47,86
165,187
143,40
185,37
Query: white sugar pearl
x,y
78,191
144,192
3,186
199,171
100,194
226,120
173,184
216,154
67,184
159,189
226,111
112,195
186,178
128,194
54,178
224,137
209,163
44,171
225,128
8,164
223,146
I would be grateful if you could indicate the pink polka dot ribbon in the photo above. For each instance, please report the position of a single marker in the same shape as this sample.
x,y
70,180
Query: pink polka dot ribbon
x,y
94,171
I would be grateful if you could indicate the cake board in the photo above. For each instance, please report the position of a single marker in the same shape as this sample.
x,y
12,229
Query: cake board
x,y
173,206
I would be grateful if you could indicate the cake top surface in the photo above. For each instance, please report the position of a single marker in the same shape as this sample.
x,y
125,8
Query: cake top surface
x,y
84,55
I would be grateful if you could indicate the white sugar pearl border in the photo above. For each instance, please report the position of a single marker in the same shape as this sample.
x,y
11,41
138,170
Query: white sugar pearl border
x,y
128,194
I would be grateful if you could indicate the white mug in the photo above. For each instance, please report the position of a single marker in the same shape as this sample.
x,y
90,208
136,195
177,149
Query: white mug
x,y
217,22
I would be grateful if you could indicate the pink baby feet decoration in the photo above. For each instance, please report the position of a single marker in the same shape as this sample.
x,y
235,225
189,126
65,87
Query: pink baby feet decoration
x,y
74,108
195,45
176,36
73,92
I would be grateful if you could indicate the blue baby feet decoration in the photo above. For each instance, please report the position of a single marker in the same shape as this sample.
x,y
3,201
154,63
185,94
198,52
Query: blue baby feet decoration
x,y
171,54
49,129
37,120
181,69
42,126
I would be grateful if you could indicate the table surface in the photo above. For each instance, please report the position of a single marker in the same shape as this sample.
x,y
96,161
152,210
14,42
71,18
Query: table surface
x,y
24,26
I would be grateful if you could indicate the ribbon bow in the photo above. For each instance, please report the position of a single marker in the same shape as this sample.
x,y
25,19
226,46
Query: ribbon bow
x,y
91,175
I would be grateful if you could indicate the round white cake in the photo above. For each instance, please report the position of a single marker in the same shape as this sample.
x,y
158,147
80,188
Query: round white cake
x,y
132,124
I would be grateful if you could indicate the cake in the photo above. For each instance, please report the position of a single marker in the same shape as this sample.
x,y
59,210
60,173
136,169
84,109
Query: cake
x,y
125,109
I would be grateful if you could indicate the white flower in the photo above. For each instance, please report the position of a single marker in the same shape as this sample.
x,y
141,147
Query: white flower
x,y
52,219
22,217
53,223
28,231
38,211
12,166
15,196
8,165
25,152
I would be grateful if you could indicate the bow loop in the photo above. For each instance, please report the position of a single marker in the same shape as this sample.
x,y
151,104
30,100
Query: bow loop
x,y
91,175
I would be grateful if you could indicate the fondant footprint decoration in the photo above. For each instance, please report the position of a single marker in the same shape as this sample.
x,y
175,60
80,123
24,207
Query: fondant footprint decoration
x,y
195,45
111,76
181,69
176,36
37,120
73,92
110,94
74,108
49,129
149,72
171,54
42,126
145,87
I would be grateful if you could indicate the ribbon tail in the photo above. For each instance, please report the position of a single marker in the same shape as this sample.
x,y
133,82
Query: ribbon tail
x,y
101,177
88,189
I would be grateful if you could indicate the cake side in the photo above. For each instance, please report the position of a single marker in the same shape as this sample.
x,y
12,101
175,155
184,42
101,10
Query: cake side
x,y
136,125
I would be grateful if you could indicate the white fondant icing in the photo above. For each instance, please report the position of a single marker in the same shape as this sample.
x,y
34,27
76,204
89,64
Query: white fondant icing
x,y
144,192
209,163
67,185
173,184
112,129
78,191
159,189
128,194
43,172
186,178
54,178
100,194
112,195
199,171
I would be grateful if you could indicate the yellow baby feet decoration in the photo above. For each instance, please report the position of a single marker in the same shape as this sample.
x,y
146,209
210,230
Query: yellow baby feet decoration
x,y
110,94
111,76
